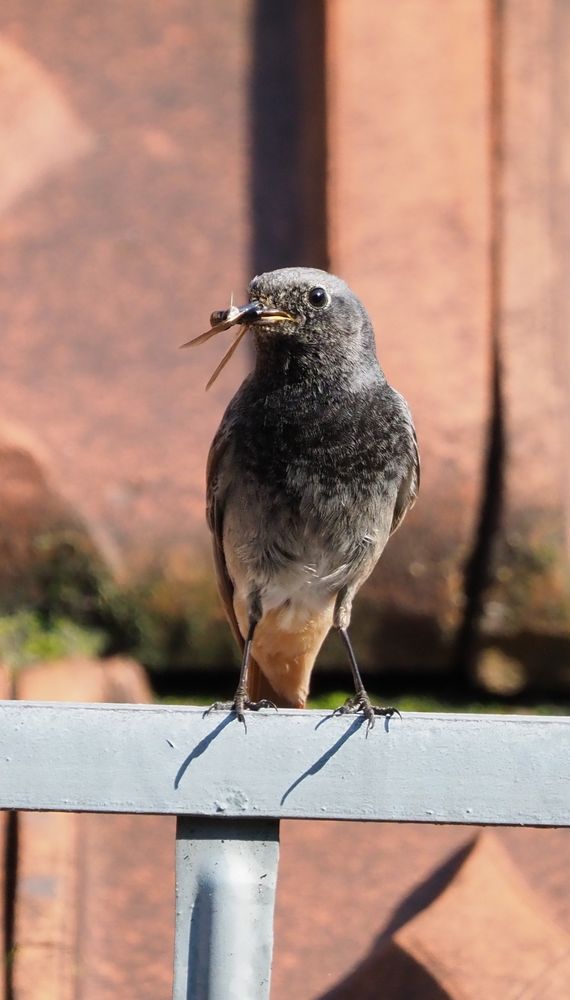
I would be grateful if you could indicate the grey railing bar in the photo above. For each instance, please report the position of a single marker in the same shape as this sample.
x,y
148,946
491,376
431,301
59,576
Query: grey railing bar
x,y
163,759
226,874
229,788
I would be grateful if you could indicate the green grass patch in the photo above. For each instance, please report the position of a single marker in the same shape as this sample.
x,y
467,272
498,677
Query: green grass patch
x,y
407,703
26,637
429,703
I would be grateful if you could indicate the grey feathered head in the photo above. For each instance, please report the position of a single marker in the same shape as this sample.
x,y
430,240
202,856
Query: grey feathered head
x,y
301,314
325,311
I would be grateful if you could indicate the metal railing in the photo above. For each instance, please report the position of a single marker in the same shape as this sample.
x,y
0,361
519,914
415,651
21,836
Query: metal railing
x,y
229,789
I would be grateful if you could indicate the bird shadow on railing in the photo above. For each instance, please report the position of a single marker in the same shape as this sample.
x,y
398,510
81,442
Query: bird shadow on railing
x,y
205,742
201,748
326,756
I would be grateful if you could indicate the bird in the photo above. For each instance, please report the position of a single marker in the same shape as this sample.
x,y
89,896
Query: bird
x,y
312,469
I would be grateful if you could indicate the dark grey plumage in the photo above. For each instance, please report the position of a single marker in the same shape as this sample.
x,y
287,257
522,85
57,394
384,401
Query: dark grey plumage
x,y
313,467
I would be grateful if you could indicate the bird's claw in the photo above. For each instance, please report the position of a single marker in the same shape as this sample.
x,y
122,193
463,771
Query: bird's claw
x,y
239,705
360,702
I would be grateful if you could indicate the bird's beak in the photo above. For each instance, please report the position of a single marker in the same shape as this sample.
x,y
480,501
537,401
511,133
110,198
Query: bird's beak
x,y
245,316
253,312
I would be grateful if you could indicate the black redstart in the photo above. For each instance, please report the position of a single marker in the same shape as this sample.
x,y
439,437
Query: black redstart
x,y
313,467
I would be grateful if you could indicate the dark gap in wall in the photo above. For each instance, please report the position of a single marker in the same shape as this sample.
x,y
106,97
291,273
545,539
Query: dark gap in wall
x,y
478,569
9,909
288,135
391,684
10,861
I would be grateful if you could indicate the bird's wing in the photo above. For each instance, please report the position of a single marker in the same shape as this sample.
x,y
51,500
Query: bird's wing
x,y
217,480
410,485
215,501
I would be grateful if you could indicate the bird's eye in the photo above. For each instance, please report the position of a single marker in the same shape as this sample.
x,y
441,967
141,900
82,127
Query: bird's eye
x,y
319,297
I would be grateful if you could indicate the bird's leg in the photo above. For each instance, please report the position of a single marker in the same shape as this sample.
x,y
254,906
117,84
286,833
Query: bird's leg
x,y
360,701
241,700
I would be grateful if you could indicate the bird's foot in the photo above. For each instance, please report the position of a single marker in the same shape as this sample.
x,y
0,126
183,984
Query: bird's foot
x,y
360,702
239,705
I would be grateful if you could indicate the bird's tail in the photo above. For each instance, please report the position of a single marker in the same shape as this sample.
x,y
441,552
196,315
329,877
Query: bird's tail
x,y
259,687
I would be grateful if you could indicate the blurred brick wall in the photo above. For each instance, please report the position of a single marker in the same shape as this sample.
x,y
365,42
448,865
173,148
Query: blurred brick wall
x,y
526,611
410,230
117,251
155,155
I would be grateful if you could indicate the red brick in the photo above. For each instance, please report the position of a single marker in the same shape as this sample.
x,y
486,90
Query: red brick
x,y
114,257
410,230
56,899
332,916
486,935
127,911
116,679
527,612
47,919
34,518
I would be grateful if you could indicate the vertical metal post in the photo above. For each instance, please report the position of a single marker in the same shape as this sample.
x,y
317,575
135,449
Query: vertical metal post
x,y
226,873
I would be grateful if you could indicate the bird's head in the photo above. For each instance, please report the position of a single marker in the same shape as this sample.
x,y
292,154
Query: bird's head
x,y
302,317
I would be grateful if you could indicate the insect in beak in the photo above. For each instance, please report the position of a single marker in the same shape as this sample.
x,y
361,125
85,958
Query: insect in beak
x,y
244,316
